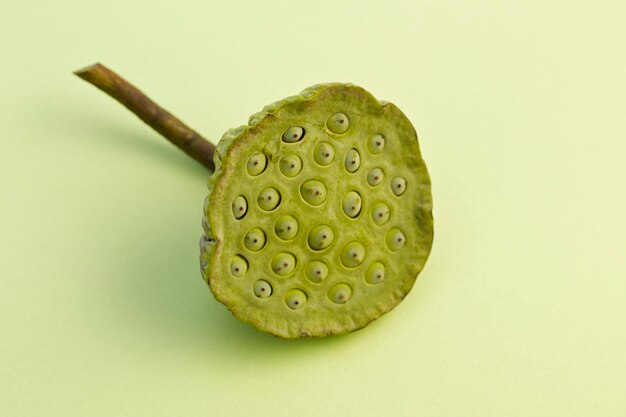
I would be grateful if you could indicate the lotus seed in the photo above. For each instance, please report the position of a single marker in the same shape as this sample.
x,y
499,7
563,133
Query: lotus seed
x,y
257,164
375,177
338,123
324,153
284,263
313,192
376,144
380,213
262,289
293,134
269,198
316,271
340,293
254,240
375,273
352,254
320,237
239,206
238,266
295,299
286,227
290,165
398,185
353,161
395,239
352,204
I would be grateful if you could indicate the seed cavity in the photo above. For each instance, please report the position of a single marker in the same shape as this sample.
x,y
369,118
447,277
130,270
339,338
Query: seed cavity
x,y
239,206
340,293
316,271
352,161
257,164
375,273
269,198
295,299
286,227
395,239
254,240
313,192
324,153
262,289
293,134
290,165
283,263
376,143
320,237
352,204
380,213
375,177
238,266
398,185
338,123
352,254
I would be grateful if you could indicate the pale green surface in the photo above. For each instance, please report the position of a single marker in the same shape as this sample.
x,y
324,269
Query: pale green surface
x,y
521,308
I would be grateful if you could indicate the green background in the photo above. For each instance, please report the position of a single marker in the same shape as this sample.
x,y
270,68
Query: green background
x,y
520,110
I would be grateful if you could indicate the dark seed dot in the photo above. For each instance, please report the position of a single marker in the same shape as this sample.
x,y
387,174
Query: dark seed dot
x,y
399,186
236,269
256,162
296,303
376,177
377,143
324,237
353,162
326,155
285,264
293,165
262,289
288,228
240,208
341,120
254,240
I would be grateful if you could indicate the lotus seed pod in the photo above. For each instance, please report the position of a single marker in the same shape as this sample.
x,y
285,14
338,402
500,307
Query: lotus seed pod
x,y
395,239
254,240
340,293
380,213
286,227
398,185
324,154
240,207
353,161
283,264
316,271
290,165
375,273
257,164
320,237
338,123
313,192
375,177
262,289
352,204
269,198
293,134
328,236
376,144
295,299
352,254
238,266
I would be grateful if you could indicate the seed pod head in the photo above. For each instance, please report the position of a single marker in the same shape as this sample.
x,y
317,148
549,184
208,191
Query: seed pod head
x,y
319,214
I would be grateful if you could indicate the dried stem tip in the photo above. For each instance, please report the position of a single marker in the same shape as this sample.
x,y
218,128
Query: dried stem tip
x,y
186,139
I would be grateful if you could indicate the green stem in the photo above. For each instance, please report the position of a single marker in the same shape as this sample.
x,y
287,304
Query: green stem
x,y
175,131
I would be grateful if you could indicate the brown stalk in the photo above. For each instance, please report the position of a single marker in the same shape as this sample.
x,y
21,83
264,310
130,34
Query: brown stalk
x,y
175,131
